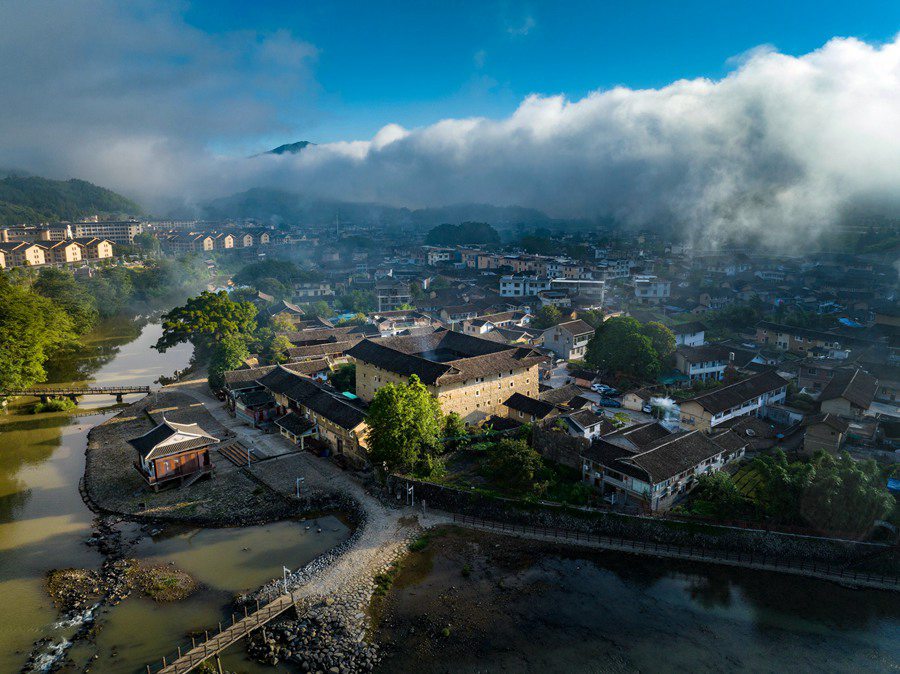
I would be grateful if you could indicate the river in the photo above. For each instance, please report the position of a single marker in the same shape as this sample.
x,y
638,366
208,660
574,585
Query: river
x,y
44,523
473,603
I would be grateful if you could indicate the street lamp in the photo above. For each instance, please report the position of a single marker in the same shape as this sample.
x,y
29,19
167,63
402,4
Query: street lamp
x,y
299,480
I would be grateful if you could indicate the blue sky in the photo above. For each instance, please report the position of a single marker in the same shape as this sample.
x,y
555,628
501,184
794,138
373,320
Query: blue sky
x,y
414,63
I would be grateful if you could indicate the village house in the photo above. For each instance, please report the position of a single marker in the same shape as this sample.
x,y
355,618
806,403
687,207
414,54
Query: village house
x,y
746,397
529,410
802,340
468,375
568,340
172,451
702,363
651,290
692,333
848,394
587,424
337,421
392,294
825,431
653,467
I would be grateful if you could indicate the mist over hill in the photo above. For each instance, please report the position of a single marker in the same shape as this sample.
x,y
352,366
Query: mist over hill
x,y
281,206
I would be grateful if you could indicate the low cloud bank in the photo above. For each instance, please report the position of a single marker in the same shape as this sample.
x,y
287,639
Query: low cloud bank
x,y
774,150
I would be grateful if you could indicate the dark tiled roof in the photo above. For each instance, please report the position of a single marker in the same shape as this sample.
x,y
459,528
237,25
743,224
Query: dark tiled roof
x,y
522,403
638,437
726,397
294,423
731,441
315,396
673,455
408,355
256,398
285,306
831,420
688,328
236,379
317,336
326,349
586,419
577,327
146,443
561,395
856,386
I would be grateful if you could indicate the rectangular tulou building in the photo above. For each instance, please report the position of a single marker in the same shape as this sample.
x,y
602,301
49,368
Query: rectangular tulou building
x,y
468,375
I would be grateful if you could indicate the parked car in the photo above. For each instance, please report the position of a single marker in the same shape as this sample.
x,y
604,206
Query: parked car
x,y
610,402
647,408
601,388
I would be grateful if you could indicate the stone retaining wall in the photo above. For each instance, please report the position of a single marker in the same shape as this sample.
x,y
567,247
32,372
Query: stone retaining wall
x,y
789,548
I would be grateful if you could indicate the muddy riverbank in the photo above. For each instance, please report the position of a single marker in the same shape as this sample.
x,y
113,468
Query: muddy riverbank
x,y
471,601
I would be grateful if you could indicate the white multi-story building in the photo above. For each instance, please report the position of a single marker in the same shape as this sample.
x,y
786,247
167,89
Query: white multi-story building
x,y
522,286
651,290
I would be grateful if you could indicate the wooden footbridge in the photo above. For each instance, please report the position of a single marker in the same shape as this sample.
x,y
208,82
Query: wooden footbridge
x,y
182,662
73,392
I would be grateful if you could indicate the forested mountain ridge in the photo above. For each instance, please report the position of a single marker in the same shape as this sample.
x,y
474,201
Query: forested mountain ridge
x,y
30,200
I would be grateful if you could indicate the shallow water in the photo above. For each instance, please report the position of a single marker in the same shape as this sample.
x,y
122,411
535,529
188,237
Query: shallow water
x,y
44,523
539,611
225,561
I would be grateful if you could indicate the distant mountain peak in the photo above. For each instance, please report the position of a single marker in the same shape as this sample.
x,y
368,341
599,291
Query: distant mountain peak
x,y
290,148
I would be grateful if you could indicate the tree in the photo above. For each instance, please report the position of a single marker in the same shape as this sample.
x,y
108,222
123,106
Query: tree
x,y
546,317
320,309
845,495
719,491
454,429
662,339
467,232
404,423
228,354
280,270
516,466
32,328
783,485
623,345
205,320
60,286
277,349
344,378
357,301
147,243
592,317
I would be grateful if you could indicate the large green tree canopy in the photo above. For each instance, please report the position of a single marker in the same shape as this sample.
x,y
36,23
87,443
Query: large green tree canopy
x,y
32,327
622,344
466,232
227,355
205,320
404,423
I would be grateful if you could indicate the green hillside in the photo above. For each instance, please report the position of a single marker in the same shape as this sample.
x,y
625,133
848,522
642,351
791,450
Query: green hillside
x,y
29,200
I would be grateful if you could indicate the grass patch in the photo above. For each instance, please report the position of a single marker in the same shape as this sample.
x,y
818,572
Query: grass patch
x,y
54,405
162,582
385,580
420,543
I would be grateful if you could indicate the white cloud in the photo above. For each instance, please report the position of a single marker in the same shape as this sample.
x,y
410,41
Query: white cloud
x,y
134,102
522,28
773,149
